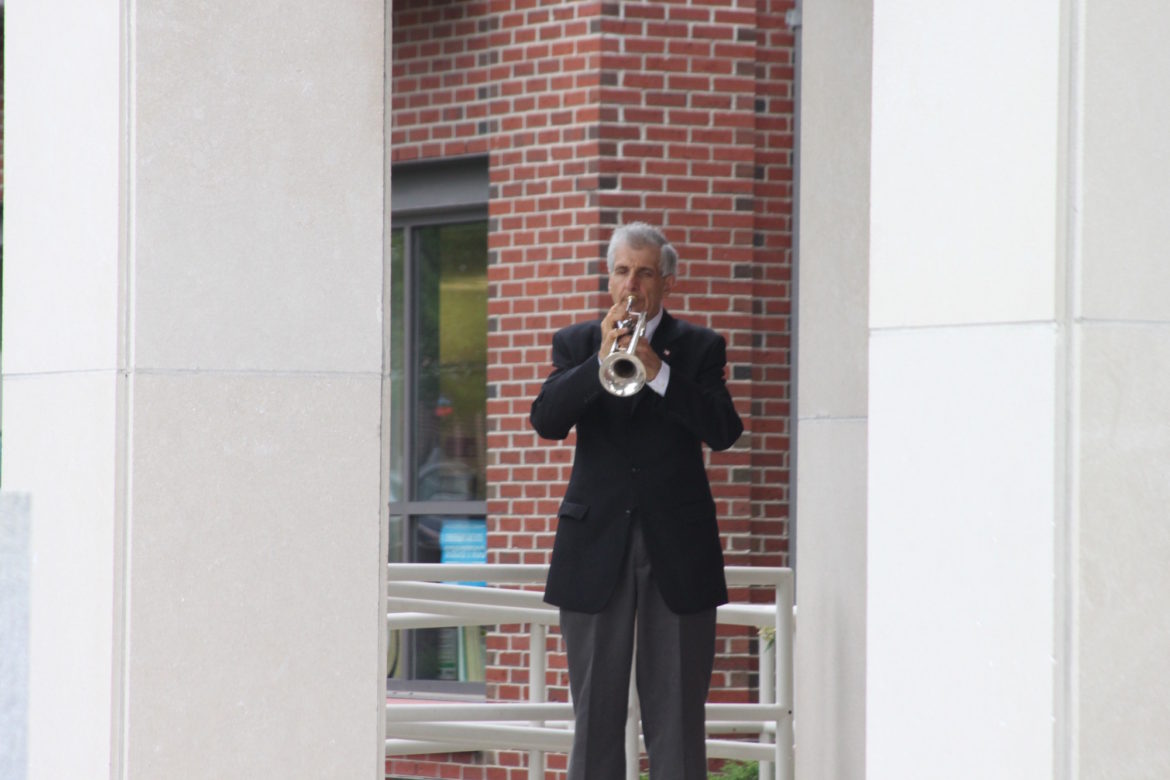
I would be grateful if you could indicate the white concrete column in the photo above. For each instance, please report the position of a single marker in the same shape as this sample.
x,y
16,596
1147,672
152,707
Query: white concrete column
x,y
966,382
832,389
1013,522
1120,417
192,378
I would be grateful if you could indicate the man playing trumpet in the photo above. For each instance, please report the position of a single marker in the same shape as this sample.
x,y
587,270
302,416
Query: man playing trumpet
x,y
637,551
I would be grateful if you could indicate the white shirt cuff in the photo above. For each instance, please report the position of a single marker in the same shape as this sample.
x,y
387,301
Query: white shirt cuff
x,y
659,383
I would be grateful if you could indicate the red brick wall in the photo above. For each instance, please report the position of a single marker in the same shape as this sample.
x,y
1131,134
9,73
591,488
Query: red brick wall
x,y
772,275
594,114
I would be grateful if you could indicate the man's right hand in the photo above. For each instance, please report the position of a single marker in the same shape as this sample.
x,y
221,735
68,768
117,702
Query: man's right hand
x,y
610,334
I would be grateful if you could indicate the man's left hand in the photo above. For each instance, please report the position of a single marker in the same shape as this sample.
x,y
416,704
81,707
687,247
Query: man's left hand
x,y
650,360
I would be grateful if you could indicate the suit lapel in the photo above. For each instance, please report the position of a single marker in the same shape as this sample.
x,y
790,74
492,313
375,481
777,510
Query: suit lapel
x,y
664,335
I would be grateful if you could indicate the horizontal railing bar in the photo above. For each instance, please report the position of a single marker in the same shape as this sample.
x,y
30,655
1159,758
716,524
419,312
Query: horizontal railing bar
x,y
751,615
524,573
460,738
489,736
745,711
485,615
725,727
561,723
525,711
740,751
434,713
490,614
757,615
408,620
468,594
415,747
757,575
397,621
722,727
517,573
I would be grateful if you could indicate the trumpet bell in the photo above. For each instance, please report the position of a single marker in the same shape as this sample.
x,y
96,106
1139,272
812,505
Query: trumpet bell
x,y
622,374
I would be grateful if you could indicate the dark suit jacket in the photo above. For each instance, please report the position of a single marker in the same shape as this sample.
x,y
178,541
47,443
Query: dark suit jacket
x,y
638,457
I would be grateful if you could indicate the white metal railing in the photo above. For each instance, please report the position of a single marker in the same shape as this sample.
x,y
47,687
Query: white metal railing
x,y
419,596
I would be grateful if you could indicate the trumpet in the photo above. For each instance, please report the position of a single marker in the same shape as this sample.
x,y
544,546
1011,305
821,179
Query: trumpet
x,y
621,372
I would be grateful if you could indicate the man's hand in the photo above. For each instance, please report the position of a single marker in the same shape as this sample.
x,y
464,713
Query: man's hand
x,y
650,360
610,334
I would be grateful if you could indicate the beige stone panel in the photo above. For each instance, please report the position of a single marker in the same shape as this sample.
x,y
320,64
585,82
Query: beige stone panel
x,y
831,587
1123,623
258,185
834,211
1126,161
832,379
253,577
59,449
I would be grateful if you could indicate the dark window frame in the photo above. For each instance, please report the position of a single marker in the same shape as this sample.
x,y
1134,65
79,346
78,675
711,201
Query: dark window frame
x,y
425,196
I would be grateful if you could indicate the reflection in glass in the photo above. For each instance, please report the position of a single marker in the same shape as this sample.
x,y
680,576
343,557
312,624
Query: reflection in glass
x,y
397,356
450,362
395,660
450,654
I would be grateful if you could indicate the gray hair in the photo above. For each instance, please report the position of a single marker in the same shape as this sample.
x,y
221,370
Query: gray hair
x,y
639,235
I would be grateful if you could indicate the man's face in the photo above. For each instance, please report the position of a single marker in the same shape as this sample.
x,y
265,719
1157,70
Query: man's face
x,y
635,272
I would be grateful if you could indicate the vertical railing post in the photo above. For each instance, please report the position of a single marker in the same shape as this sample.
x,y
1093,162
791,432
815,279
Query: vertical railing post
x,y
785,640
537,691
767,659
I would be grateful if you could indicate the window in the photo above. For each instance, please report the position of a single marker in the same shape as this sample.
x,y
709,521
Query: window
x,y
438,388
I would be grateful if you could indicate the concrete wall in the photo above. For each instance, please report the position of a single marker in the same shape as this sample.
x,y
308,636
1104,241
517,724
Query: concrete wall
x,y
965,389
61,404
832,389
1012,183
192,383
1120,540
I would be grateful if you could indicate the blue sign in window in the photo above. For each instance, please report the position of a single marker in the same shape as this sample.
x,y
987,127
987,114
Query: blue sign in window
x,y
463,541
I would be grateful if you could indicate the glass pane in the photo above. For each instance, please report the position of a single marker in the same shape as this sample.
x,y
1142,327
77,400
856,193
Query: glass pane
x,y
397,360
395,658
395,536
449,654
451,362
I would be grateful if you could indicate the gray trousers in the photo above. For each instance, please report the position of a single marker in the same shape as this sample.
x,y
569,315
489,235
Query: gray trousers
x,y
675,657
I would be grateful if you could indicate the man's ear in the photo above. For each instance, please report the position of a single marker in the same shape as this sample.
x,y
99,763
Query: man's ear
x,y
668,285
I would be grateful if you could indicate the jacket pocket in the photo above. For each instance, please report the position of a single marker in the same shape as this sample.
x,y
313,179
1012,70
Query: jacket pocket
x,y
572,510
